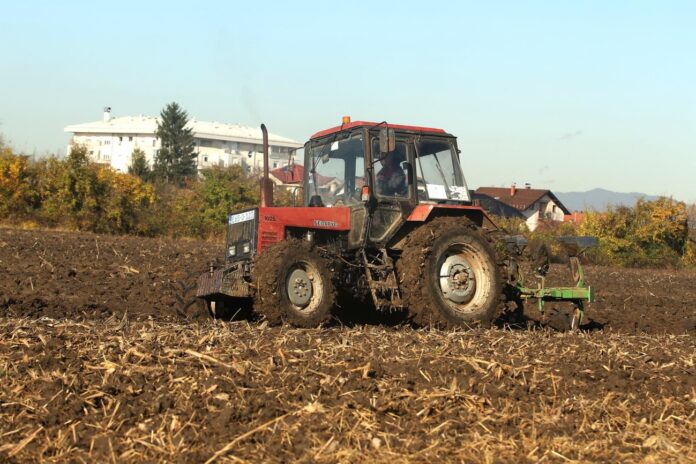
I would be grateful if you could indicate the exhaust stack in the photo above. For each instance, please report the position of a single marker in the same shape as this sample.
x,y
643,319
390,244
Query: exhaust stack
x,y
266,184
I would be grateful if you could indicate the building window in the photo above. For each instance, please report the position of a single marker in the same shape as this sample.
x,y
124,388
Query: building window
x,y
120,139
130,139
275,165
154,142
205,159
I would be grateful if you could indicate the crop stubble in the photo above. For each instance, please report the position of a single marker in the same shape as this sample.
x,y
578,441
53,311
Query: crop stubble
x,y
80,382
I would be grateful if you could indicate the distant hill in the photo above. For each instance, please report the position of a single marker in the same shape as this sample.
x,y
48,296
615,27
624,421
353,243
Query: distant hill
x,y
598,199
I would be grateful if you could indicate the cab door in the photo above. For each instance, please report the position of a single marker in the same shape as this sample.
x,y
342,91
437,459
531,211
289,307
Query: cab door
x,y
394,201
356,179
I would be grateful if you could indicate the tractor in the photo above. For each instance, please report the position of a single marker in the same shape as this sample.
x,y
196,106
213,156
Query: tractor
x,y
387,221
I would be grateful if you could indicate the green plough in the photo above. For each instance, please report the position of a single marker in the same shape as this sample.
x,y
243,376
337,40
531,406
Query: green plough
x,y
578,294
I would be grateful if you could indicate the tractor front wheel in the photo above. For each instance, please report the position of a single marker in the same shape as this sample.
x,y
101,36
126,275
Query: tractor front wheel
x,y
449,275
293,285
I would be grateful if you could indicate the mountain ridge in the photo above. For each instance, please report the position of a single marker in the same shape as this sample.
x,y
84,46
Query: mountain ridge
x,y
599,199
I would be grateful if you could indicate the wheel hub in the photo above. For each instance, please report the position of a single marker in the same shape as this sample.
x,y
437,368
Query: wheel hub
x,y
299,288
457,280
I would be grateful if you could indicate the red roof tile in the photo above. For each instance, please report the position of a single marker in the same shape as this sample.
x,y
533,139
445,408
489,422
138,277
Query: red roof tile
x,y
294,174
523,198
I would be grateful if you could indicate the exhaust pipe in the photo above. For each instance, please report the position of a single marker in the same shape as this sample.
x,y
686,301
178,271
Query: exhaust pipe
x,y
266,184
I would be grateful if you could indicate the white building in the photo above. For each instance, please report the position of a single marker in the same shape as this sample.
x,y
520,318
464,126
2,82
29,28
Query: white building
x,y
112,141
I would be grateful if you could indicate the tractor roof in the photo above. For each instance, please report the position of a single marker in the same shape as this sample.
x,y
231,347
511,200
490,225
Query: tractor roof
x,y
351,125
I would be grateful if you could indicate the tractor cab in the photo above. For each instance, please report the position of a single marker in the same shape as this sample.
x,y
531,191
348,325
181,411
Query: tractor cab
x,y
382,172
389,163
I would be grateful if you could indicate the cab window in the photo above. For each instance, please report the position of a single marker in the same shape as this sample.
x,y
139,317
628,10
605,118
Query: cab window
x,y
391,179
337,170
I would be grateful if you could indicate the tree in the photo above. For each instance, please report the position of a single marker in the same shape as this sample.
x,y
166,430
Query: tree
x,y
650,233
139,165
176,158
223,190
68,189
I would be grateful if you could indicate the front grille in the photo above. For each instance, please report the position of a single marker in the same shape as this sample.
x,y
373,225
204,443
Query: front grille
x,y
241,230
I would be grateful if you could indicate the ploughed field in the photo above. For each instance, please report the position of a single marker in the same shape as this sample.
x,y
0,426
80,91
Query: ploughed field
x,y
97,366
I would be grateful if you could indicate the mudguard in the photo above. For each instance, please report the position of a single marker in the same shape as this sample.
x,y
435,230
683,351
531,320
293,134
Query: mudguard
x,y
423,213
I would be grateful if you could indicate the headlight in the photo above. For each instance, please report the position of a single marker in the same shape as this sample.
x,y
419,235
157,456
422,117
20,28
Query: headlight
x,y
246,248
232,250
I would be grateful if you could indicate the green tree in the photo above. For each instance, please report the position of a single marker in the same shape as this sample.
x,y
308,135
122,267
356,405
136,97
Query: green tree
x,y
139,165
69,189
222,191
176,159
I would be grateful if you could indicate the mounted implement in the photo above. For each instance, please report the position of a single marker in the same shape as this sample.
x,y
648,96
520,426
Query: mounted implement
x,y
577,294
386,220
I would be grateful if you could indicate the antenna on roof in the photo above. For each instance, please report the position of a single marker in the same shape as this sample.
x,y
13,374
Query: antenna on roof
x,y
107,113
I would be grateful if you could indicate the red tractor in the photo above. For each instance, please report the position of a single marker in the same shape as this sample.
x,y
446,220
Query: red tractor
x,y
386,219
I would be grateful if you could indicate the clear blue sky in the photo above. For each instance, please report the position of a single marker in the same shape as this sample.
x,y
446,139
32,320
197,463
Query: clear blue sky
x,y
565,95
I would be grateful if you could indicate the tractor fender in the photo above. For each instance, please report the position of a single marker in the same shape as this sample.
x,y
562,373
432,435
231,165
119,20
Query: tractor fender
x,y
423,213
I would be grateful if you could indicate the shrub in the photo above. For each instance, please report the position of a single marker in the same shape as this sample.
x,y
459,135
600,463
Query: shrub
x,y
17,192
653,233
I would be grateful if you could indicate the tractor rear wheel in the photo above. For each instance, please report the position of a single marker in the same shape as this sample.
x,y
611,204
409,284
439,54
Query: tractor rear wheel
x,y
293,285
449,275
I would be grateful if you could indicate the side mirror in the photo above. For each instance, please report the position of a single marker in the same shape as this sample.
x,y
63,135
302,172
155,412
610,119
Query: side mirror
x,y
387,140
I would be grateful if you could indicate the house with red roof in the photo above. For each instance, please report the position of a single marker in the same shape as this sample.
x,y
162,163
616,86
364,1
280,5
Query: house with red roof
x,y
288,175
534,204
291,176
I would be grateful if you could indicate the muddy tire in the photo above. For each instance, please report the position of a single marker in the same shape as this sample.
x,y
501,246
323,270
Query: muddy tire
x,y
294,285
449,275
187,304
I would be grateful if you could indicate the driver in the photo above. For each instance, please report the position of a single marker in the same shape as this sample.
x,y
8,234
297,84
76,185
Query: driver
x,y
391,179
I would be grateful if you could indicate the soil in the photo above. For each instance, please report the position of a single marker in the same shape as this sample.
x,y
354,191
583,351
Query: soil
x,y
82,275
97,366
